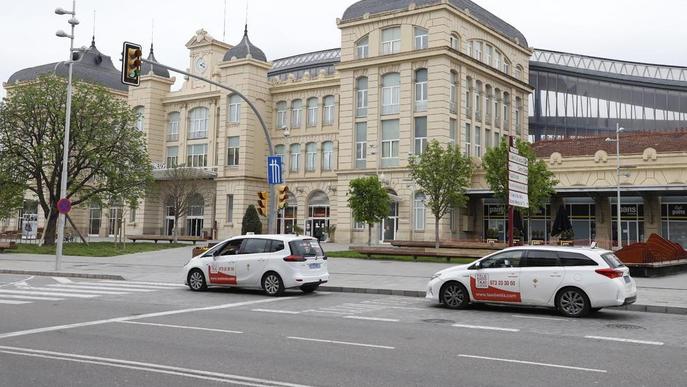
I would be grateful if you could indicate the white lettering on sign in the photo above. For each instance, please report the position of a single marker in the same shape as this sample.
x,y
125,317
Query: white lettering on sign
x,y
514,176
517,159
514,150
518,199
515,186
517,168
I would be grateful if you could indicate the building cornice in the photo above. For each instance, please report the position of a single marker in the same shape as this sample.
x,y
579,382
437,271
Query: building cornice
x,y
303,85
213,94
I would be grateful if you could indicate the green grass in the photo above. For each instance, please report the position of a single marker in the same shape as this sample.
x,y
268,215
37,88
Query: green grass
x,y
402,258
95,249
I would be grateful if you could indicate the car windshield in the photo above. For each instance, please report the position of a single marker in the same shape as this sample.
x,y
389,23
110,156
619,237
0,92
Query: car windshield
x,y
612,260
306,248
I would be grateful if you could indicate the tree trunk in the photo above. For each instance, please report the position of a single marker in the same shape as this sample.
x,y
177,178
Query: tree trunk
x,y
369,234
436,232
175,229
51,228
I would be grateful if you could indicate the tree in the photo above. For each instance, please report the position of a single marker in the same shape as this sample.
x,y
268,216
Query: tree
x,y
540,180
251,221
107,154
179,188
368,201
11,192
443,175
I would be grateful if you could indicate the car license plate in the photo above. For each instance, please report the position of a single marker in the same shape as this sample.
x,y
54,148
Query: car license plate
x,y
627,279
314,265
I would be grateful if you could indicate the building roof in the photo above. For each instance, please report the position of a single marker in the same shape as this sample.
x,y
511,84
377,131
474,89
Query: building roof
x,y
360,8
245,48
630,143
157,70
305,61
94,67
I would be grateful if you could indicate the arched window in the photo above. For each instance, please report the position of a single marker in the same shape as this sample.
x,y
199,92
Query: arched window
x,y
468,97
328,113
391,40
327,155
497,60
518,110
391,93
453,96
312,112
506,111
421,38
280,150
281,114
454,41
421,90
497,108
506,66
295,151
94,218
310,156
173,119
361,97
296,113
234,109
518,72
362,49
419,211
478,100
198,123
139,117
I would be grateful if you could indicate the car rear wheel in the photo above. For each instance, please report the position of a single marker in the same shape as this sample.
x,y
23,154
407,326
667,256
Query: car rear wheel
x,y
272,284
572,302
454,295
309,288
196,280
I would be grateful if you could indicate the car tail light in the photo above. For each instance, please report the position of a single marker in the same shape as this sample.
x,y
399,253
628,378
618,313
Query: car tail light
x,y
294,258
610,273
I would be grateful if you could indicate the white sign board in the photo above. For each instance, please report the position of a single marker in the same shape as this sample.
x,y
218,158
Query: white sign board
x,y
517,177
518,199
515,186
517,168
514,150
517,159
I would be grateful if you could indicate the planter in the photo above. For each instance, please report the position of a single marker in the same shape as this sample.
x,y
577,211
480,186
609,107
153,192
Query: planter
x,y
492,241
565,242
537,242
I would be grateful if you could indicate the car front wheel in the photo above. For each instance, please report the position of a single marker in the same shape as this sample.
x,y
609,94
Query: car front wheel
x,y
272,284
196,280
454,295
572,302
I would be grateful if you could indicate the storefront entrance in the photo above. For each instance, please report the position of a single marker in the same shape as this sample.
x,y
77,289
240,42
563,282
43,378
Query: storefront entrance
x,y
169,220
318,215
631,223
389,225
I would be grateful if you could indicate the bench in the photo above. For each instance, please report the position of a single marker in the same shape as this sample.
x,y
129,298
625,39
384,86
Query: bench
x,y
169,238
422,252
7,245
451,244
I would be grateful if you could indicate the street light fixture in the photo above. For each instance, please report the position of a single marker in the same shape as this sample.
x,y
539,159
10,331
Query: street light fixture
x,y
65,155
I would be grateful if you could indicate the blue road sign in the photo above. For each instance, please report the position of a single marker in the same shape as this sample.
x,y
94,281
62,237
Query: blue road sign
x,y
274,170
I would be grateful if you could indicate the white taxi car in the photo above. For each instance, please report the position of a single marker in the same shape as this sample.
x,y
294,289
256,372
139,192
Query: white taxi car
x,y
573,280
270,262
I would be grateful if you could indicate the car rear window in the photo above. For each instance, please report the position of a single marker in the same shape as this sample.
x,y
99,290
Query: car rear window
x,y
306,248
612,260
575,259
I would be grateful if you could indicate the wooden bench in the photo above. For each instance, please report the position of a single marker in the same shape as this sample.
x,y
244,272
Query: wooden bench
x,y
451,244
169,238
422,252
7,245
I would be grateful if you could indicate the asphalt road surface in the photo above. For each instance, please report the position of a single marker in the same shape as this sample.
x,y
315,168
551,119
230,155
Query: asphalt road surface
x,y
72,332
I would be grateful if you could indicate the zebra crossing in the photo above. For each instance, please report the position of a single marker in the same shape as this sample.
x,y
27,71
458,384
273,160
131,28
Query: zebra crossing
x,y
21,292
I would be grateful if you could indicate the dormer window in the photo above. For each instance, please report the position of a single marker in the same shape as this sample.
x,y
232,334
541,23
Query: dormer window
x,y
362,49
391,40
454,42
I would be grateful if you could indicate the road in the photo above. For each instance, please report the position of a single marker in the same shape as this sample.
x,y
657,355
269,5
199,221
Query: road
x,y
116,333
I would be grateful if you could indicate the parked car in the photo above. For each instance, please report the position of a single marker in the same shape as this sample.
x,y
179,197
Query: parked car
x,y
271,262
575,281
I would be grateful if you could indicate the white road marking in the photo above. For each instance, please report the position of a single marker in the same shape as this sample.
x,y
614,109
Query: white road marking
x,y
533,363
126,285
340,342
14,302
372,318
486,327
168,284
114,289
180,327
149,367
136,317
79,291
32,298
624,340
56,294
540,318
325,311
63,280
332,310
275,311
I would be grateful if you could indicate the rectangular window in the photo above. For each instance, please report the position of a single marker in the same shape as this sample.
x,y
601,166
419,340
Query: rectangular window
x,y
487,138
361,103
234,111
295,156
132,214
281,115
421,95
359,225
478,106
391,95
327,156
468,103
419,214
361,145
328,111
421,41
420,134
233,145
497,112
296,111
173,129
497,60
362,49
198,127
452,128
197,155
477,50
466,140
487,56
312,115
310,156
172,156
391,40
230,208
478,141
453,96
390,142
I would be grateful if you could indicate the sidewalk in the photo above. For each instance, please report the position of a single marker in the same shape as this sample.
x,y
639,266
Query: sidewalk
x,y
663,295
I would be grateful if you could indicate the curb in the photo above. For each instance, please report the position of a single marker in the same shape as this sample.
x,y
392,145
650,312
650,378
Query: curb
x,y
63,274
415,293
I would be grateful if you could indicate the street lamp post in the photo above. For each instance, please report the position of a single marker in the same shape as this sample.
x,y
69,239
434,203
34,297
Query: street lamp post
x,y
65,155
618,129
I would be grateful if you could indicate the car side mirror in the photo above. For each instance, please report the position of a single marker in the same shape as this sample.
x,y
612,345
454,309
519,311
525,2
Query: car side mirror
x,y
506,263
475,266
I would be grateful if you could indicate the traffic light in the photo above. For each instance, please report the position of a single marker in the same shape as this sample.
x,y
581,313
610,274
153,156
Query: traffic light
x,y
263,202
282,195
131,64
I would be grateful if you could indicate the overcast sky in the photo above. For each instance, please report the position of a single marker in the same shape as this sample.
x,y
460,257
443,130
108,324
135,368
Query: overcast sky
x,y
637,30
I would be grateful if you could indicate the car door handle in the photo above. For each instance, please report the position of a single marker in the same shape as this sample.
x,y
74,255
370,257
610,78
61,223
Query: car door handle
x,y
554,275
512,276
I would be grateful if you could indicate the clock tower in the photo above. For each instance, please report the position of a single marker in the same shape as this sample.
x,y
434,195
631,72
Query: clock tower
x,y
205,53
